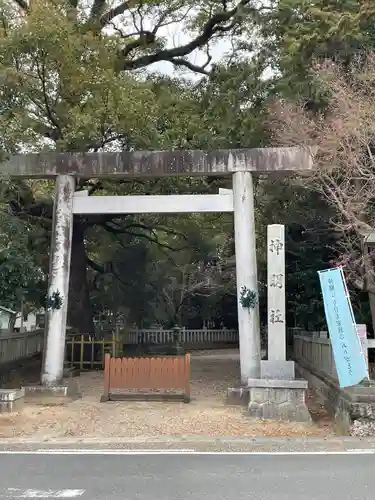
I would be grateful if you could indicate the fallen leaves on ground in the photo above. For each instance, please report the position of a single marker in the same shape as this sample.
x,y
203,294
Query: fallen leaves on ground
x,y
206,415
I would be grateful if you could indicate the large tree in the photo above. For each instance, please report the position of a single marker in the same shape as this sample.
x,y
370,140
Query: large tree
x,y
76,77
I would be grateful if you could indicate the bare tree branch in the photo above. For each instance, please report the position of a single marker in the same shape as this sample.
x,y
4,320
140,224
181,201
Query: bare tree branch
x,y
345,166
162,23
145,39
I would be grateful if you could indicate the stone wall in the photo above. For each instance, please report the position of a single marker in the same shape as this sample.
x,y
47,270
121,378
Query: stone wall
x,y
315,349
353,408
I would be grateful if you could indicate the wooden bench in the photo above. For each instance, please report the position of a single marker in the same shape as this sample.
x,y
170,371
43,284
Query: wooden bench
x,y
147,378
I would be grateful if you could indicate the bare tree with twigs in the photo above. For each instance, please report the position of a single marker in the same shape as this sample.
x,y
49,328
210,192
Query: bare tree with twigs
x,y
342,140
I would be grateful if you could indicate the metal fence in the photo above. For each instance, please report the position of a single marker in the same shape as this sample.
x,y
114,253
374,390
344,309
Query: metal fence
x,y
20,346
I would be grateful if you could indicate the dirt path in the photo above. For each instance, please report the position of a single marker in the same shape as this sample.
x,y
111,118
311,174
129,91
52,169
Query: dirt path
x,y
206,415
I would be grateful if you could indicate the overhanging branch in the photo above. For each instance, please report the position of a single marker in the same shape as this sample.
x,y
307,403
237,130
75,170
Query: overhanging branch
x,y
152,237
211,27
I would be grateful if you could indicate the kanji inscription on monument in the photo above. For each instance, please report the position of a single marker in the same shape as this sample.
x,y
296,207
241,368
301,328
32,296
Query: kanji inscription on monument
x,y
276,245
277,280
276,316
276,292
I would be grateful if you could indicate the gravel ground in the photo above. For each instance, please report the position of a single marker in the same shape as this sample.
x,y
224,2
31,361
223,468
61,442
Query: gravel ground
x,y
206,415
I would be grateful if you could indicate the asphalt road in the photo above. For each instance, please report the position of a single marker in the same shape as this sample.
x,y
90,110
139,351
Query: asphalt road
x,y
188,477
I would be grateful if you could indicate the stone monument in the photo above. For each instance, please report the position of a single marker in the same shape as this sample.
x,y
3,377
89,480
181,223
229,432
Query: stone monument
x,y
276,365
277,394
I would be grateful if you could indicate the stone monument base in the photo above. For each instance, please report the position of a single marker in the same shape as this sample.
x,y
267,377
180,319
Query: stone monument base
x,y
277,369
273,399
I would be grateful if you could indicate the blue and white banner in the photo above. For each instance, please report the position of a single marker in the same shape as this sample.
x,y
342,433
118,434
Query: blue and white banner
x,y
347,351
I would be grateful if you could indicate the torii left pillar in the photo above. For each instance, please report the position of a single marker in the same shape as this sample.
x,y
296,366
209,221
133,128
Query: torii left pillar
x,y
60,255
246,274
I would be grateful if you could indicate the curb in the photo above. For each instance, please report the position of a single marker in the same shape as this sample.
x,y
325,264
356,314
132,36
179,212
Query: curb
x,y
190,439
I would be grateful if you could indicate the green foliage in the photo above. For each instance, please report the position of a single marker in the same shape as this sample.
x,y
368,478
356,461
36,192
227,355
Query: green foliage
x,y
248,298
66,80
160,270
54,301
19,273
300,33
233,107
310,246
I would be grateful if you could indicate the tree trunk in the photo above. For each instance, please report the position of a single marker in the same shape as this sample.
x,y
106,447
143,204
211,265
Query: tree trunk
x,y
80,313
369,280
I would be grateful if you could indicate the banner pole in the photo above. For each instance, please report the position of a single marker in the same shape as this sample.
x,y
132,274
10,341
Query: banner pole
x,y
352,314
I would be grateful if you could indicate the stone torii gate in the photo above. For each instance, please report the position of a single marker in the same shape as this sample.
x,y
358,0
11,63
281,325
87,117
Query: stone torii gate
x,y
240,164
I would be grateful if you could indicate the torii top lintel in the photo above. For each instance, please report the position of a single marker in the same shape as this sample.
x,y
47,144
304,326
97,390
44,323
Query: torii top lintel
x,y
158,163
